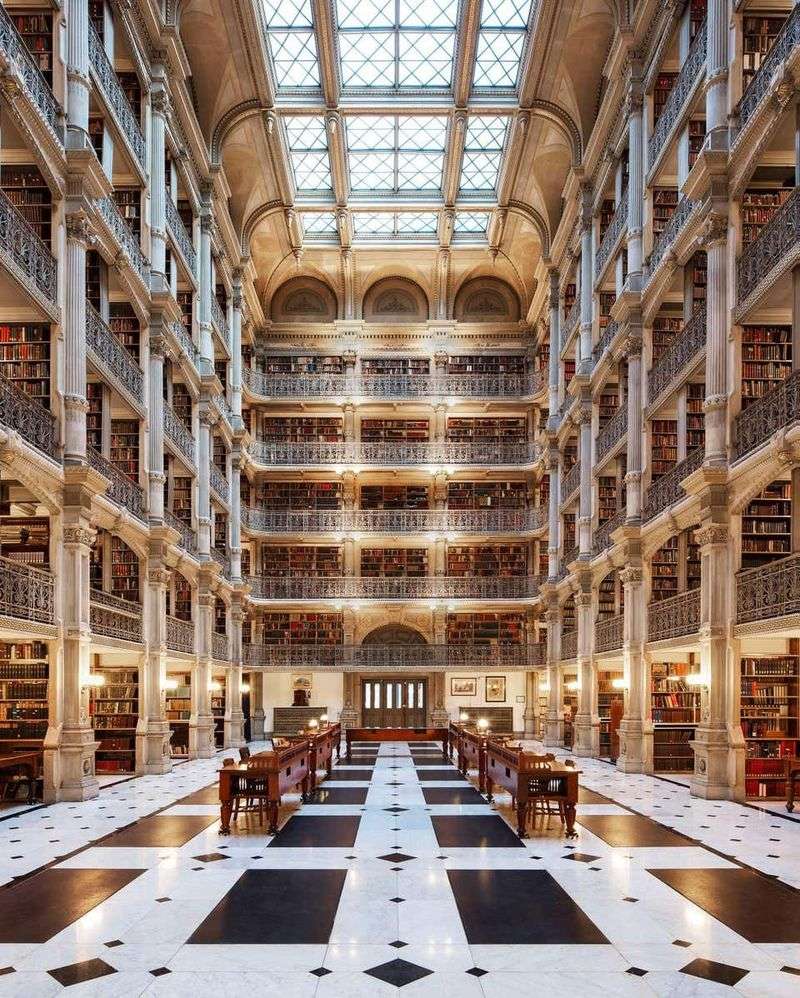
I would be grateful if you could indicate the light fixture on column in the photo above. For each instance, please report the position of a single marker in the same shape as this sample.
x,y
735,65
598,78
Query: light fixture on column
x,y
483,725
94,680
323,718
464,717
572,686
245,687
214,686
619,684
695,679
169,684
313,723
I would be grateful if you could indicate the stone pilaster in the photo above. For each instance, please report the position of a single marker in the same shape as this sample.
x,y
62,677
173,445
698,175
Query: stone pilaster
x,y
235,526
554,730
206,342
555,349
201,720
587,278
78,85
348,716
75,404
439,716
583,420
715,239
236,348
155,442
159,108
636,729
152,731
257,713
203,481
554,470
531,704
234,715
587,719
633,476
635,179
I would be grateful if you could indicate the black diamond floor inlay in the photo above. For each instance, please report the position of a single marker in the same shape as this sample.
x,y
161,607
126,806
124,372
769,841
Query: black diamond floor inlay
x,y
477,972
710,970
452,795
440,776
581,857
398,972
211,857
396,857
320,972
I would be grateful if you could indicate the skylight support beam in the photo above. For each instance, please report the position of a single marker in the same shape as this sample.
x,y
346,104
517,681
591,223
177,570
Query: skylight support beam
x,y
513,161
279,158
453,157
465,51
337,150
325,31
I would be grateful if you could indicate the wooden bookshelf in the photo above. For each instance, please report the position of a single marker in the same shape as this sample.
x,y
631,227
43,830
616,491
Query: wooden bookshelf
x,y
129,202
606,301
568,532
186,301
568,620
699,280
132,89
114,708
664,571
569,298
543,489
770,719
606,498
219,454
486,495
495,429
26,189
404,430
36,28
758,207
485,628
97,131
221,371
695,417
663,447
608,406
97,17
183,597
661,91
24,691
302,364
767,526
302,429
665,201
387,563
394,497
178,710
570,455
569,372
672,750
182,403
395,365
26,539
182,498
607,695
697,14
220,531
697,136
666,327
218,710
96,563
186,215
220,616
124,571
301,561
287,629
675,710
500,560
766,360
298,495
513,364
25,358
124,324
693,561
95,279
125,446
758,37
607,209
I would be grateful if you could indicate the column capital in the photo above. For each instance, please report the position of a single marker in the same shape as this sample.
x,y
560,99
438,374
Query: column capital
x,y
631,574
76,535
712,534
78,229
715,229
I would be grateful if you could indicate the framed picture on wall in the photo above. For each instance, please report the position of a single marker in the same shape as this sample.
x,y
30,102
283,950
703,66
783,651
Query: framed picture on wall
x,y
466,687
495,689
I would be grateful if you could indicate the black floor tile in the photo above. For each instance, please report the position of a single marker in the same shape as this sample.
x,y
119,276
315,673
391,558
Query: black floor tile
x,y
587,796
339,795
452,795
398,972
450,775
78,973
307,832
354,775
275,907
474,832
35,910
632,831
519,907
210,795
710,970
161,830
761,909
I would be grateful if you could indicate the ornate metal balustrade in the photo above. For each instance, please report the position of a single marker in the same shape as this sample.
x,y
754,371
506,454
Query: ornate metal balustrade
x,y
601,541
20,65
681,352
692,72
615,229
188,539
393,521
124,235
123,490
180,635
24,415
571,483
775,247
604,342
394,588
178,433
673,227
24,253
115,98
778,410
112,355
26,593
219,484
219,320
222,560
222,407
570,323
537,653
571,554
392,453
666,490
611,434
609,633
295,385
219,647
674,617
182,237
769,591
761,84
186,343
356,657
113,617
569,644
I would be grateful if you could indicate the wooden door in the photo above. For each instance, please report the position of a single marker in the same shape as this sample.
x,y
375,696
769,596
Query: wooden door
x,y
396,702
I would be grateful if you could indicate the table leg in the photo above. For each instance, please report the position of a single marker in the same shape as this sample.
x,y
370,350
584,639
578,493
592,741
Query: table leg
x,y
569,809
489,787
272,807
225,811
521,809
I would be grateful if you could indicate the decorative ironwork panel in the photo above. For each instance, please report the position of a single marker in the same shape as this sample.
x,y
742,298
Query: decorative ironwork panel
x,y
570,555
673,227
674,617
22,65
178,433
774,246
691,73
392,453
219,484
112,617
124,236
777,410
182,238
186,344
219,647
26,593
390,588
611,434
609,633
26,416
604,342
681,352
219,320
106,348
761,84
393,656
769,591
570,324
571,483
667,489
180,635
115,98
222,560
612,234
26,252
569,644
123,490
602,536
188,539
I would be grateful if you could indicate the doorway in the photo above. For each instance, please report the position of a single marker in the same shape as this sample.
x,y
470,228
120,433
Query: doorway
x,y
396,702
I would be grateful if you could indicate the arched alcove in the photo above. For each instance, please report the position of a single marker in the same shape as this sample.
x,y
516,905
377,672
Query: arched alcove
x,y
486,299
395,299
394,634
303,299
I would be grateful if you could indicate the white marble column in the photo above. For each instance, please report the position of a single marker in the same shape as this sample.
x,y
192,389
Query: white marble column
x,y
234,715
716,400
159,105
633,475
555,349
636,729
155,440
554,523
152,732
587,719
201,720
206,341
75,403
78,85
587,278
236,348
257,713
717,28
531,703
203,482
583,420
554,730
237,462
635,182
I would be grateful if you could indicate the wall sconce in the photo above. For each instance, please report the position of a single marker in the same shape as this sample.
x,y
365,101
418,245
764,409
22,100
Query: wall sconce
x,y
313,722
214,686
572,686
94,680
695,679
463,718
483,724
619,684
323,718
169,684
245,687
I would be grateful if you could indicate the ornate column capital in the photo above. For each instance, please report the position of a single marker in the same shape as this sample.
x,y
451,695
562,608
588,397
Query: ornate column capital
x,y
631,574
76,535
78,229
712,533
715,229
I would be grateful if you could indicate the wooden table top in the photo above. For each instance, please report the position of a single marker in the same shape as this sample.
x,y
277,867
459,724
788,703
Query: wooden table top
x,y
19,759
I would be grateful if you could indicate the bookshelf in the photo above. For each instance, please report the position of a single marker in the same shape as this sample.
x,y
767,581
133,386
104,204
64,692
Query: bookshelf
x,y
395,365
97,131
183,597
568,623
286,629
699,277
496,429
570,708
485,628
97,17
758,207
666,327
299,495
219,454
607,694
675,708
394,497
607,209
24,691
302,429
672,750
132,89
95,279
665,200
758,36
220,616
661,91
664,571
766,360
569,298
404,430
767,526
297,562
185,300
692,561
513,364
387,563
182,498
221,371
305,364
220,531
96,563
114,708
503,560
697,13
186,215
36,28
606,498
26,539
770,707
569,372
178,712
218,709
607,597
544,560
129,202
25,358
568,533
124,570
663,447
26,189
125,446
609,403
697,136
182,403
544,491
124,325
486,495
695,417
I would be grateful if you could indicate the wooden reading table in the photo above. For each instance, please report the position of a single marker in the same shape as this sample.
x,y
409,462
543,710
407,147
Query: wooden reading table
x,y
397,735
792,781
453,742
472,754
29,763
323,744
267,775
513,769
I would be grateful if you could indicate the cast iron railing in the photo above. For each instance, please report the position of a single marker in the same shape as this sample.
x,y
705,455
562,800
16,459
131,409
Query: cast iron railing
x,y
26,253
26,592
115,98
123,490
22,64
761,84
611,434
674,617
112,355
612,234
179,233
394,587
113,617
666,490
608,633
178,433
769,591
124,236
29,418
180,635
775,245
685,348
691,73
778,410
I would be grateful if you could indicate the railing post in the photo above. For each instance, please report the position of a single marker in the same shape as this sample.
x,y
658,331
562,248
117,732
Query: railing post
x,y
153,735
636,729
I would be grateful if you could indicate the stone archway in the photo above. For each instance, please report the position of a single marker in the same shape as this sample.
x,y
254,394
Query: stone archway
x,y
394,634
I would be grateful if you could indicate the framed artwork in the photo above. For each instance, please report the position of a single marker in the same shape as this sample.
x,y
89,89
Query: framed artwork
x,y
466,687
495,689
302,682
521,700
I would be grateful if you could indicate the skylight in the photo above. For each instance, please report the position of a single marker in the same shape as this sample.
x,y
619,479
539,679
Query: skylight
x,y
319,223
471,223
292,48
483,150
308,148
396,225
397,44
501,43
396,154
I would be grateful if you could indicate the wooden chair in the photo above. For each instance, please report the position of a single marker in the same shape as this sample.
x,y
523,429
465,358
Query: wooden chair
x,y
244,754
254,790
544,798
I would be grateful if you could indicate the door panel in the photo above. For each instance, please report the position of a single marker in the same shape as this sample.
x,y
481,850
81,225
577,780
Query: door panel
x,y
399,702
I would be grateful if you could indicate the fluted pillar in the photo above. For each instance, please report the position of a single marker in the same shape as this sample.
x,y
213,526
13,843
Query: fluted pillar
x,y
635,179
717,28
155,440
152,733
587,277
203,482
237,462
555,349
716,400
531,703
257,713
554,730
78,85
159,103
201,720
633,475
583,418
554,471
236,348
587,719
75,403
206,341
636,728
234,715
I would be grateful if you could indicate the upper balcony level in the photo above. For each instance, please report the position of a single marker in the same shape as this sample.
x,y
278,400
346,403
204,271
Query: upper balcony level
x,y
393,454
391,589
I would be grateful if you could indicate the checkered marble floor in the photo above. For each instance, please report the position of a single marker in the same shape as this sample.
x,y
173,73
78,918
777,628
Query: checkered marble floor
x,y
373,889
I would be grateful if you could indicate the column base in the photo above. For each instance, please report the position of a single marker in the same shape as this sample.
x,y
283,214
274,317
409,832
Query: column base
x,y
348,718
440,718
587,736
635,746
152,749
234,730
201,738
719,757
78,780
257,721
530,727
554,731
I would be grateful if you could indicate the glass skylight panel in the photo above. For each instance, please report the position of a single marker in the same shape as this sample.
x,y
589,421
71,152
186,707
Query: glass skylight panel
x,y
397,44
501,44
471,223
308,149
319,223
417,223
396,224
483,150
373,223
293,49
396,153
